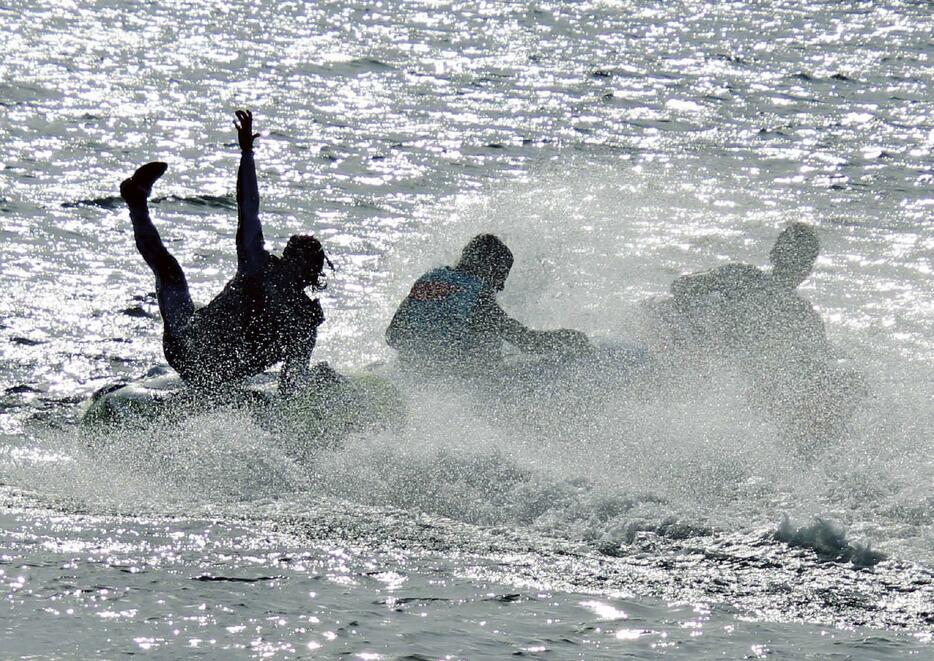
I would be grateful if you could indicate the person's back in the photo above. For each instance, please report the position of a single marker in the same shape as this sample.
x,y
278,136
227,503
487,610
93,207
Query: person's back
x,y
450,320
434,322
740,316
739,307
247,328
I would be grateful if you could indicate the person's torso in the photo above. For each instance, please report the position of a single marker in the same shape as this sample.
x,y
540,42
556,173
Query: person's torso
x,y
436,320
741,308
249,326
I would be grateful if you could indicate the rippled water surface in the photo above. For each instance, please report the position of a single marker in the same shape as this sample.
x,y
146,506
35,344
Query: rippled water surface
x,y
614,146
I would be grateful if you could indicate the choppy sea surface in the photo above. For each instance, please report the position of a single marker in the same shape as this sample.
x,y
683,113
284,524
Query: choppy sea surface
x,y
614,146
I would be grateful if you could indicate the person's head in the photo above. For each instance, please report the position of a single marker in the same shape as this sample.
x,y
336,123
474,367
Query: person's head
x,y
305,258
794,253
488,258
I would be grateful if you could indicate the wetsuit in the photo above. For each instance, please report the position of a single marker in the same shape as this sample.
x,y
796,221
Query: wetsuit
x,y
260,318
450,323
739,307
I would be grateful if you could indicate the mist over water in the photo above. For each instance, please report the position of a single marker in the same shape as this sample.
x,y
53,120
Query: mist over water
x,y
601,468
613,146
598,463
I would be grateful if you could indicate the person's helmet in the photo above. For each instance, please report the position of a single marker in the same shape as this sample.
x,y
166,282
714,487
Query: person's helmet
x,y
794,254
487,256
306,254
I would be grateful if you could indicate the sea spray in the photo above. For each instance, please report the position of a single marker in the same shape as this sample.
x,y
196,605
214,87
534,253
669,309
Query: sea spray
x,y
828,540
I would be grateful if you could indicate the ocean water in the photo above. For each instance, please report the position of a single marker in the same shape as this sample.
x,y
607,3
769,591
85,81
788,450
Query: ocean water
x,y
614,146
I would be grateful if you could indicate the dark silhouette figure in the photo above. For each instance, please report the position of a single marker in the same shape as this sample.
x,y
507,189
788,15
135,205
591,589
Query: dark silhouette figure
x,y
262,316
739,307
758,321
451,322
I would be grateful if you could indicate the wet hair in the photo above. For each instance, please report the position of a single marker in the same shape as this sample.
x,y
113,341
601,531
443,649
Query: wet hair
x,y
797,242
794,254
306,250
487,256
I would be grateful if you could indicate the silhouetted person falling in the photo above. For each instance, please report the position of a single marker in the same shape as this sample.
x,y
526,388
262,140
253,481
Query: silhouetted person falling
x,y
757,320
262,316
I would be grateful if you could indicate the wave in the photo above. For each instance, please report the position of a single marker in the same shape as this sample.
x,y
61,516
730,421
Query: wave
x,y
116,202
27,342
106,202
811,78
828,540
212,201
565,512
370,64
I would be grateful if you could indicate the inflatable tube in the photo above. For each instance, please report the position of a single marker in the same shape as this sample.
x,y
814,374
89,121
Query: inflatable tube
x,y
609,361
325,412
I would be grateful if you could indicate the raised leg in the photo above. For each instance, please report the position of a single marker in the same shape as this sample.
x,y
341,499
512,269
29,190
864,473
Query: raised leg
x,y
175,302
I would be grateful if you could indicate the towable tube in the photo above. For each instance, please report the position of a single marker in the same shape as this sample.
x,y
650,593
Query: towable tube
x,y
322,414
337,405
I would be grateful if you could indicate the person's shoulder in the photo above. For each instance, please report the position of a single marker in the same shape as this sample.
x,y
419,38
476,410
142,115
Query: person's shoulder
x,y
733,279
797,303
730,271
307,308
741,268
738,272
309,302
789,306
271,262
436,271
487,307
472,281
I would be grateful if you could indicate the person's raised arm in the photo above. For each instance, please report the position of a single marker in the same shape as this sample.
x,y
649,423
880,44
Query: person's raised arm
x,y
250,248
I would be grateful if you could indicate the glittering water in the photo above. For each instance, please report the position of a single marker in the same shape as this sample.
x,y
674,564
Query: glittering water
x,y
614,145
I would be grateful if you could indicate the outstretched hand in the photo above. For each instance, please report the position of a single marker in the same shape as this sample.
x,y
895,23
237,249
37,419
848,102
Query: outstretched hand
x,y
567,340
245,133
